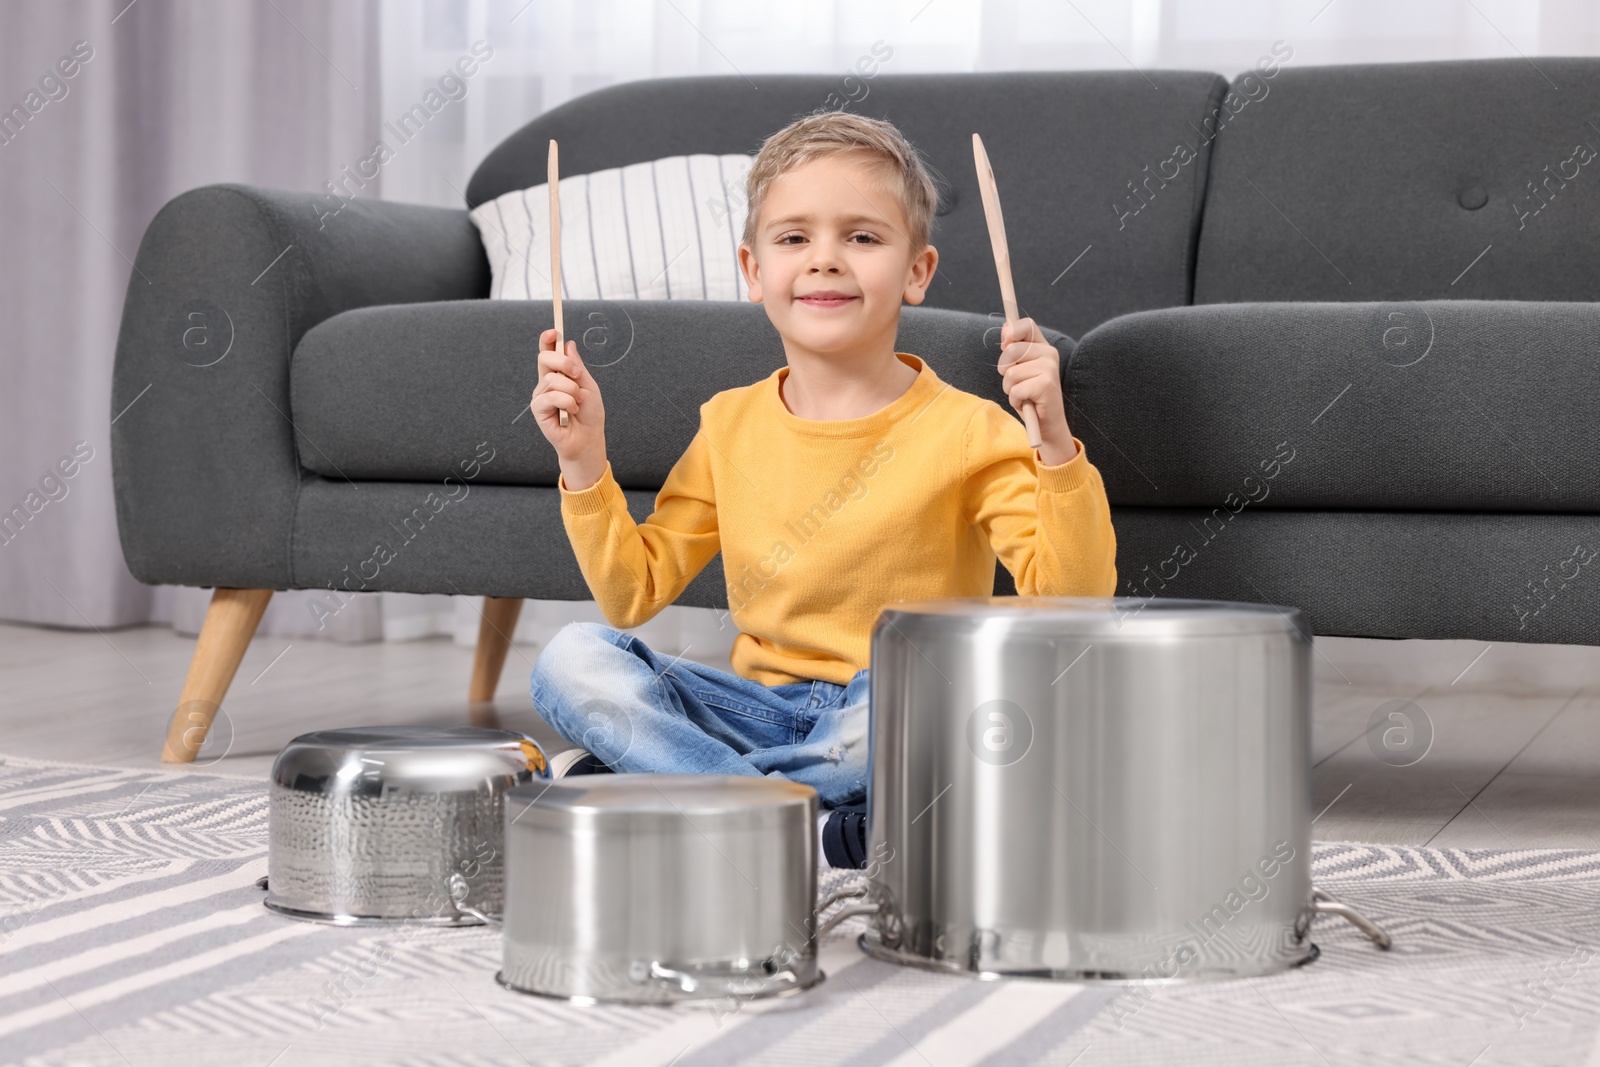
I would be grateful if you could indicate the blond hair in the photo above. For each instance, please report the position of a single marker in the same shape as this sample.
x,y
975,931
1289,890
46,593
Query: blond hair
x,y
827,132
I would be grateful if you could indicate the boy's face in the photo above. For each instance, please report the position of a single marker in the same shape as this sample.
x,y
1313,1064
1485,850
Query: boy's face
x,y
832,256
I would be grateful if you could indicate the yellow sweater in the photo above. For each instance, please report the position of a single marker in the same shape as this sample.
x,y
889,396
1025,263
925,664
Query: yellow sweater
x,y
823,522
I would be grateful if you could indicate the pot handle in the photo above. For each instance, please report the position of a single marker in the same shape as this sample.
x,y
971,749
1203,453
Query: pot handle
x,y
641,971
688,980
458,895
846,913
1325,903
843,913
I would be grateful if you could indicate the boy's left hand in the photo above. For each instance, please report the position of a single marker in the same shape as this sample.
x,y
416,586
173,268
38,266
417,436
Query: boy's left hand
x,y
1031,369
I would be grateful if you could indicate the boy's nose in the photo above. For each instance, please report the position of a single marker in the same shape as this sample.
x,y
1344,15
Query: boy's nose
x,y
825,257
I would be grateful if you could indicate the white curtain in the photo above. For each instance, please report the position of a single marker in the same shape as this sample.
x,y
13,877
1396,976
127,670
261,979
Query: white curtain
x,y
547,53
162,96
180,93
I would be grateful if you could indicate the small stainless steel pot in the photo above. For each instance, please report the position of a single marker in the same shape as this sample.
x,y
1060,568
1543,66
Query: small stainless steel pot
x,y
367,825
1084,788
655,888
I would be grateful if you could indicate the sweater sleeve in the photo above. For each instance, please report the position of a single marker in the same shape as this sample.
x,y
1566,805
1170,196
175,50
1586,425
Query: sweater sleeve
x,y
1049,525
636,569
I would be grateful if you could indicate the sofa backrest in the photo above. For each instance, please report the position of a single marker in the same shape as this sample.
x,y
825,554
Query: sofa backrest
x,y
1473,179
1088,165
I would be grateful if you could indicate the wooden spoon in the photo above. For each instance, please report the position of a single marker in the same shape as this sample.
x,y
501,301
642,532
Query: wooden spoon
x,y
1002,262
554,180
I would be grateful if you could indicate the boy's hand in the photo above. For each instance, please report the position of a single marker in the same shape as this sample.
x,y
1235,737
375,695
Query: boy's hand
x,y
565,384
1032,373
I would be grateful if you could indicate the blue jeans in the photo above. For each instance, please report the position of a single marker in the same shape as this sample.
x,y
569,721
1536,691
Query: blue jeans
x,y
607,692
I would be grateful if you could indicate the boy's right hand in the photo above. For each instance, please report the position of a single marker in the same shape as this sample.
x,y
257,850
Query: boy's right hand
x,y
565,384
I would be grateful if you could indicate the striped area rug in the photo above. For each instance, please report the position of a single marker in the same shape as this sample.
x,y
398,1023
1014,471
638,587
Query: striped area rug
x,y
132,933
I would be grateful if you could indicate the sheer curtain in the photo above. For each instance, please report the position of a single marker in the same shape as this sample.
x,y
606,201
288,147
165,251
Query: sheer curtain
x,y
283,92
163,96
548,53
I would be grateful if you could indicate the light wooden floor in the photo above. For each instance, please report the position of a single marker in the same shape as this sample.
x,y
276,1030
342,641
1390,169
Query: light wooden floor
x,y
1514,762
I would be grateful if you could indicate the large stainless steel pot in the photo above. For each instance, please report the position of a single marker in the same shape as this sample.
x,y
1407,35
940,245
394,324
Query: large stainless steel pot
x,y
368,825
1088,788
656,888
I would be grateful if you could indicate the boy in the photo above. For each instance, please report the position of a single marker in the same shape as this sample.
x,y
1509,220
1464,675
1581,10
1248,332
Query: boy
x,y
849,479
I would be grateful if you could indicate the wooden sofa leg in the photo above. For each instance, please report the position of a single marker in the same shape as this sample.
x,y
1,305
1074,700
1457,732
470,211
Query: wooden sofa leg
x,y
494,641
231,621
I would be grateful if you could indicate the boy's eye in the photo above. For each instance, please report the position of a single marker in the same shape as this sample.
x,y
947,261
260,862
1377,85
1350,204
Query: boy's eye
x,y
785,239
870,239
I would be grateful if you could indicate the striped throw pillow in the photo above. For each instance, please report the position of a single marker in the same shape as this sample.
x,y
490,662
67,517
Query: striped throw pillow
x,y
668,229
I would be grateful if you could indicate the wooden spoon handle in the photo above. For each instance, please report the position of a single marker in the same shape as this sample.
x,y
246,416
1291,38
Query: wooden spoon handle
x,y
1002,263
554,180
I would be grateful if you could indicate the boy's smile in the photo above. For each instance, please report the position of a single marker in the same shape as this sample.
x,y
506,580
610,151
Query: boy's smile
x,y
832,261
825,298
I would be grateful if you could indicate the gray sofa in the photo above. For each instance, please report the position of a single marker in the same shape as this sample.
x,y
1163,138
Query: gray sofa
x,y
1336,351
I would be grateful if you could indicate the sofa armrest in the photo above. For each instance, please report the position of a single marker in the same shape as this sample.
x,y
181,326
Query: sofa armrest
x,y
1441,405
205,458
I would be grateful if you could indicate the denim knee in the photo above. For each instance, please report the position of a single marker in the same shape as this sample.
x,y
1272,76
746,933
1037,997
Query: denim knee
x,y
570,669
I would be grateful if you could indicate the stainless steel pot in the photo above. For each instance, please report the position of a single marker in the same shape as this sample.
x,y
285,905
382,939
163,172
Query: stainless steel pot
x,y
367,825
1092,788
655,888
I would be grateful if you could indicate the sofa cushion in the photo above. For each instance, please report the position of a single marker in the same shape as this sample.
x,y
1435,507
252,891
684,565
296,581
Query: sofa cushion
x,y
1474,179
409,392
1067,149
1446,405
489,540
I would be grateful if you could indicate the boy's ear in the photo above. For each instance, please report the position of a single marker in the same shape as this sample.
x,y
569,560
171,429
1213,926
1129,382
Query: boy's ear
x,y
920,274
752,272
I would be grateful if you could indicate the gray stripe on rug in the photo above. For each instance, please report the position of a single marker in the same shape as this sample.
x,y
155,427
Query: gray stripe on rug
x,y
966,994
85,1020
103,934
1047,1036
191,929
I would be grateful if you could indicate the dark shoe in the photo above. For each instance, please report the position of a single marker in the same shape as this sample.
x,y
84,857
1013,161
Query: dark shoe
x,y
844,839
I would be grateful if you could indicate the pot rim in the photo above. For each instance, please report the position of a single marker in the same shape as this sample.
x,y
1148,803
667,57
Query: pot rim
x,y
1102,618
